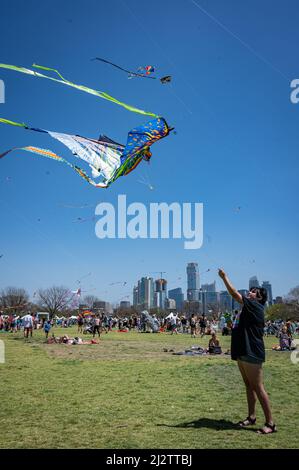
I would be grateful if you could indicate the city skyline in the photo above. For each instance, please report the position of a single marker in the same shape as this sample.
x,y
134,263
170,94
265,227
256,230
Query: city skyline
x,y
207,294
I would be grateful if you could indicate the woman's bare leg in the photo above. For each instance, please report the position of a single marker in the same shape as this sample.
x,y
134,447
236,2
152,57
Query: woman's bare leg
x,y
254,374
251,395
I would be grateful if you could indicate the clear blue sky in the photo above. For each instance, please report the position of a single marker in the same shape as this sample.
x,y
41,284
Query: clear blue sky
x,y
236,144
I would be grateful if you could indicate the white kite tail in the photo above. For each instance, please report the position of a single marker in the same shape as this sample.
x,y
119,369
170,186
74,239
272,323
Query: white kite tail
x,y
103,159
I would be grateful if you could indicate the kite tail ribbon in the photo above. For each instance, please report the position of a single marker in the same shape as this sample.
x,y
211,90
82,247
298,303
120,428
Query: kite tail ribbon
x,y
49,154
62,80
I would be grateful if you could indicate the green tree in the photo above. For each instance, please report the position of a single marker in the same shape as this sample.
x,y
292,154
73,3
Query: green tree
x,y
285,311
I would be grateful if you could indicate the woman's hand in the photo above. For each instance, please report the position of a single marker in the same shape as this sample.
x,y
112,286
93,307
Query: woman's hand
x,y
221,273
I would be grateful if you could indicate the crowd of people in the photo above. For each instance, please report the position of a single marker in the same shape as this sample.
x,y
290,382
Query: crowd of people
x,y
195,325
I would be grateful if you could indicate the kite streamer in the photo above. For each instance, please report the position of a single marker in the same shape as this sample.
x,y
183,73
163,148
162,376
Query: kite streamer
x,y
62,80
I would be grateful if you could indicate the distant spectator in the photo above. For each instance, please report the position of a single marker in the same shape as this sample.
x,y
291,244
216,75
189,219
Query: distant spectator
x,y
193,325
173,324
47,327
96,324
28,325
184,323
202,325
80,323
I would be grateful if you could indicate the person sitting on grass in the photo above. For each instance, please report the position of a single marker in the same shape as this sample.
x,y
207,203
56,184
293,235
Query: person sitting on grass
x,y
52,340
247,348
285,340
213,343
64,339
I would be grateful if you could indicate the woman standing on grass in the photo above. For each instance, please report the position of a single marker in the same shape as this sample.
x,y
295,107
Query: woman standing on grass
x,y
247,347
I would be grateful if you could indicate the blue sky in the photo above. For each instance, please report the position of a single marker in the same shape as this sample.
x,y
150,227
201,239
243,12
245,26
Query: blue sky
x,y
236,143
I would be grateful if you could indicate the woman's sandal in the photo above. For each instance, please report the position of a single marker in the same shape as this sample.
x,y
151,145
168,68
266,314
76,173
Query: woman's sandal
x,y
272,428
247,422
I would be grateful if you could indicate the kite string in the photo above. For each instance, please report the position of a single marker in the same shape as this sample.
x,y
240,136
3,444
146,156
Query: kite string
x,y
161,49
234,35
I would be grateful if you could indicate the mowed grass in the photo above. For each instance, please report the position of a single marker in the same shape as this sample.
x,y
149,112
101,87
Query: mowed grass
x,y
126,393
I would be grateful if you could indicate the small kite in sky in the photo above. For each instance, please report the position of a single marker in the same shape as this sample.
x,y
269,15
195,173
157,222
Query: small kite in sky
x,y
107,159
77,292
80,219
147,69
142,72
203,272
124,283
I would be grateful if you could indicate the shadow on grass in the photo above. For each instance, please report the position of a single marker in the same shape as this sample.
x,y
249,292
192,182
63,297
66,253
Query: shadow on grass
x,y
217,424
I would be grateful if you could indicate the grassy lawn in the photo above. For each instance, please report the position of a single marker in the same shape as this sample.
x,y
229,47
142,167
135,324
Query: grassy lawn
x,y
126,393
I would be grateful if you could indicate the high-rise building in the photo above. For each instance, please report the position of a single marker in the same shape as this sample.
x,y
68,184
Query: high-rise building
x,y
144,293
135,296
253,282
209,298
209,287
178,296
226,301
160,294
211,301
193,284
268,287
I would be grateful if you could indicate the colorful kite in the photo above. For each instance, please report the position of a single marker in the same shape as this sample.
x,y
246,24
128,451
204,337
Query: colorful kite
x,y
62,80
147,70
106,158
143,72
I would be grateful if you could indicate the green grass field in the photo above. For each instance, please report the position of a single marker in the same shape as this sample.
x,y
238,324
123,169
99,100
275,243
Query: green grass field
x,y
126,393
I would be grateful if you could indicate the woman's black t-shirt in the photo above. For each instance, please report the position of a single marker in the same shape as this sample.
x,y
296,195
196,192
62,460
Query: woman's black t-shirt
x,y
248,332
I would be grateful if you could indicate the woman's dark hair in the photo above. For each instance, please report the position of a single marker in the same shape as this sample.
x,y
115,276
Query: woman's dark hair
x,y
261,294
